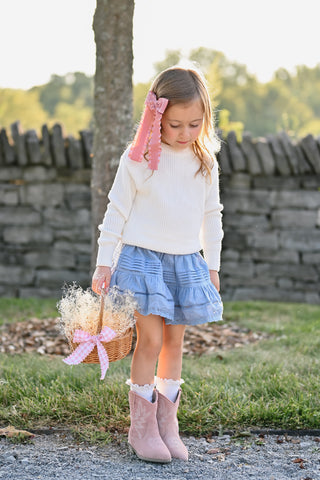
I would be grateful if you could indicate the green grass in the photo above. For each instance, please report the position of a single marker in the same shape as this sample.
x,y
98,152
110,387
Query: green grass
x,y
17,309
272,384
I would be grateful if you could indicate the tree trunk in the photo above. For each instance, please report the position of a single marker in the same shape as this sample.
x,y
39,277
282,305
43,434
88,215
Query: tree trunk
x,y
112,26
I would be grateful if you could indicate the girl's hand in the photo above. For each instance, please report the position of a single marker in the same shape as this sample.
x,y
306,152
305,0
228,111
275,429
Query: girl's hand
x,y
102,275
214,277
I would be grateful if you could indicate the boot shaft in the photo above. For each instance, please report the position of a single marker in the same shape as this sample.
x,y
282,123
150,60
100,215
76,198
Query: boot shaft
x,y
144,435
168,426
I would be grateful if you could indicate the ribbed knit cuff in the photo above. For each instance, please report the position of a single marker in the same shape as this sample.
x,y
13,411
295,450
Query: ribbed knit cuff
x,y
212,257
104,257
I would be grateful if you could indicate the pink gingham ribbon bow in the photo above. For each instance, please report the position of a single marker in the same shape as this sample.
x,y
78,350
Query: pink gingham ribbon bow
x,y
87,343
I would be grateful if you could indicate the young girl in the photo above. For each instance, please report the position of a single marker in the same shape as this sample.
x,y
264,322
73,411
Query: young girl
x,y
164,207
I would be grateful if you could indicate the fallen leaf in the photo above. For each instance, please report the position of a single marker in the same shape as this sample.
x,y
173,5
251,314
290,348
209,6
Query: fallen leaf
x,y
226,451
213,451
300,461
12,432
44,336
221,457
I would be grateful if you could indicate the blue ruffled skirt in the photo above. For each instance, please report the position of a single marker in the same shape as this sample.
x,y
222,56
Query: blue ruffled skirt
x,y
177,287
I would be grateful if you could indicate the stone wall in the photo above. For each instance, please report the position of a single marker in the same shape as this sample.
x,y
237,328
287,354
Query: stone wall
x,y
269,188
45,231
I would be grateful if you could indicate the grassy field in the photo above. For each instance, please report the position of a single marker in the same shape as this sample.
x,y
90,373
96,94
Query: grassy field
x,y
272,384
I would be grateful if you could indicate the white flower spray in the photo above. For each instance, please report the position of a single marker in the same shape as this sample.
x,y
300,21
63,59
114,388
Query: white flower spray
x,y
79,309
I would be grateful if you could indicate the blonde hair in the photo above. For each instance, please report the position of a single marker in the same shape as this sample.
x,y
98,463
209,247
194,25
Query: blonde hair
x,y
182,85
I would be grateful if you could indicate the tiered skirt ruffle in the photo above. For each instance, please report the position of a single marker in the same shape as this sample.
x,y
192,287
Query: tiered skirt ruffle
x,y
177,287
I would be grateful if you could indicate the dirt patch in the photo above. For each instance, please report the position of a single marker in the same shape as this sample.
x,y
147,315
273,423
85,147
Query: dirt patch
x,y
43,336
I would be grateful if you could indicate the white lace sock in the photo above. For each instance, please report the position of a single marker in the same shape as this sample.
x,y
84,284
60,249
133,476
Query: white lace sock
x,y
168,387
145,391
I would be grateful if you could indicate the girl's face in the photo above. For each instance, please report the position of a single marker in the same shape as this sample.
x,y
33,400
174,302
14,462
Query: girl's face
x,y
181,124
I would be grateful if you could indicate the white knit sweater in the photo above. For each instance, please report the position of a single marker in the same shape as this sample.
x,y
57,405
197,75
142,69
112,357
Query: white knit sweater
x,y
169,210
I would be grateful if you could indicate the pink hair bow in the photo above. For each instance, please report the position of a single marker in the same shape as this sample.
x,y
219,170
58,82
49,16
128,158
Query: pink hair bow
x,y
87,343
148,136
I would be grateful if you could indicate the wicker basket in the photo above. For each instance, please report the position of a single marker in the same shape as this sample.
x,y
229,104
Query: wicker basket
x,y
116,349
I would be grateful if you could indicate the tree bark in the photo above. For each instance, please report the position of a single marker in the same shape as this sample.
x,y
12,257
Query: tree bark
x,y
113,103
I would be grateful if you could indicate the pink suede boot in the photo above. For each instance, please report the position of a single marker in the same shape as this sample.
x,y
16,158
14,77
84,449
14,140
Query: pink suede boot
x,y
168,426
144,435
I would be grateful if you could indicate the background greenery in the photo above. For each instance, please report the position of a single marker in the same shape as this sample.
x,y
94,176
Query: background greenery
x,y
290,101
274,383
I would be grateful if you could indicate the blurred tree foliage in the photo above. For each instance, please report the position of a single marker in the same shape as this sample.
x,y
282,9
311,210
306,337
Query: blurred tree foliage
x,y
21,105
64,99
68,89
290,101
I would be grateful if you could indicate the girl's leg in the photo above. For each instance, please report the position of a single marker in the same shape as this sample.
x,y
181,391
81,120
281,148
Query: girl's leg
x,y
149,340
170,358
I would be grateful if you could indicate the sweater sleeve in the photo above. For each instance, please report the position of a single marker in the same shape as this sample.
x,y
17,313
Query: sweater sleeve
x,y
121,198
211,234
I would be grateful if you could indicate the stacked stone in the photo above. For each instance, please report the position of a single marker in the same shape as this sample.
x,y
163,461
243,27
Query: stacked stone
x,y
44,211
271,196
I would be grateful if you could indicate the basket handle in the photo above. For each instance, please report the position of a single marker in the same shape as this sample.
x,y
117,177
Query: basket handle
x,y
100,318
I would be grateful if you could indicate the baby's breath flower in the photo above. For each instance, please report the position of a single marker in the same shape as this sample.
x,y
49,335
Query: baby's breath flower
x,y
79,309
